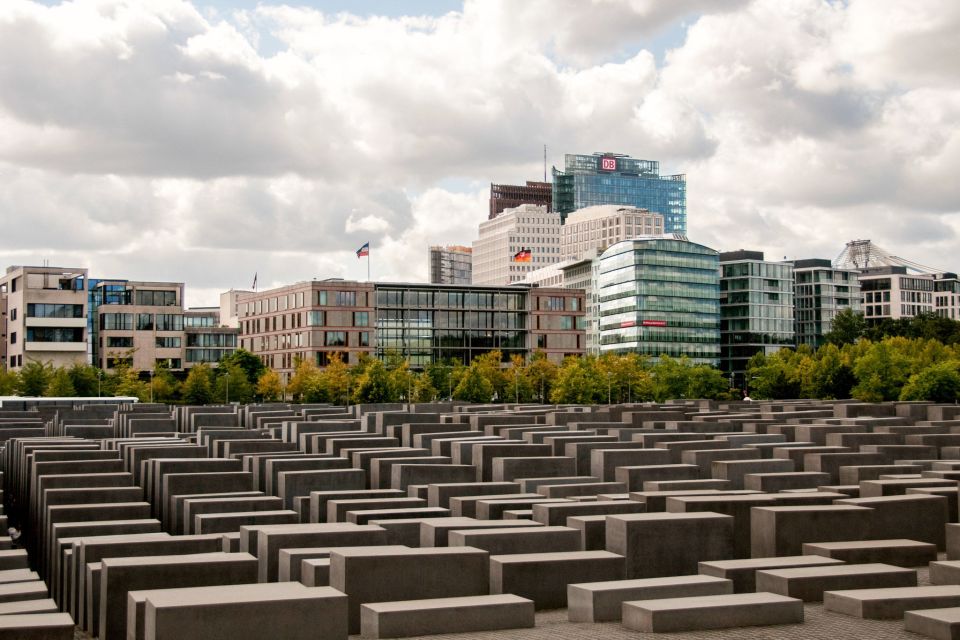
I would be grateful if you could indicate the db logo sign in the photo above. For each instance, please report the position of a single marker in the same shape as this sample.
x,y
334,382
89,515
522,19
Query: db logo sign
x,y
608,164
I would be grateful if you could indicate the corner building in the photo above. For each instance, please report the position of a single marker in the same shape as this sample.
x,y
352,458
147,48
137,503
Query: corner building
x,y
821,291
660,296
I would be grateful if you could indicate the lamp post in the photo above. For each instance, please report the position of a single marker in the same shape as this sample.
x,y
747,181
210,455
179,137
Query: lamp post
x,y
99,378
151,386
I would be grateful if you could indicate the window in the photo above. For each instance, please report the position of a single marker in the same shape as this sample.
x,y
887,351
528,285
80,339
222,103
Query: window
x,y
147,297
144,322
346,298
199,321
13,338
54,334
315,319
566,323
335,339
168,342
35,310
361,319
116,321
13,314
364,338
320,298
119,342
169,322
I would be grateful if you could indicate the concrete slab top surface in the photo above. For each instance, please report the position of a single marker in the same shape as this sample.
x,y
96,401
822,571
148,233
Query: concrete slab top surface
x,y
708,602
773,562
891,593
837,570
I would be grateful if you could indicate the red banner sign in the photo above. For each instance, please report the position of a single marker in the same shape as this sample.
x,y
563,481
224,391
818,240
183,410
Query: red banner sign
x,y
654,323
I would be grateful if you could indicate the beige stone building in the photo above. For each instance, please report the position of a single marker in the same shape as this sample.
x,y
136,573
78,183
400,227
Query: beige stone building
x,y
601,226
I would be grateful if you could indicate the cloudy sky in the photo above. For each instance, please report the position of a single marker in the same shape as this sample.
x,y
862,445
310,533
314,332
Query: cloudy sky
x,y
210,140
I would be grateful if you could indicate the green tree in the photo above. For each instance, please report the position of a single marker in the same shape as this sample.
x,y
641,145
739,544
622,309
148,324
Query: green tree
x,y
9,383
34,378
373,385
232,385
198,387
490,366
474,386
938,383
579,381
252,365
306,383
60,385
832,375
670,378
520,386
883,370
402,381
773,377
707,383
441,377
84,379
423,389
847,327
164,386
269,387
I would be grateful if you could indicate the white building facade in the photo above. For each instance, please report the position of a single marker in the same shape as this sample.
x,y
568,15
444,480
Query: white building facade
x,y
527,227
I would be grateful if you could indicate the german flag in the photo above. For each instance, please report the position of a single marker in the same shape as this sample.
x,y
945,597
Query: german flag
x,y
524,255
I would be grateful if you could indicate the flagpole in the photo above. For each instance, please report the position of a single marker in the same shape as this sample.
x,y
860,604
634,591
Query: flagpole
x,y
368,264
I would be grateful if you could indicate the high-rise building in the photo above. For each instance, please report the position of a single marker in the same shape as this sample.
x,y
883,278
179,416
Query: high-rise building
x,y
756,310
527,228
46,317
602,226
820,292
611,178
891,292
423,323
450,265
509,196
660,296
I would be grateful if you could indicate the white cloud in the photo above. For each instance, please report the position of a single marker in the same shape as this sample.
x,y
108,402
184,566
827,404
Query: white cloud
x,y
145,138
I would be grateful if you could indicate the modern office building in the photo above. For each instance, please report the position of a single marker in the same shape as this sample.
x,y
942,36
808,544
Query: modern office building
x,y
140,323
450,265
756,310
660,296
617,179
229,307
891,292
423,323
509,196
3,330
527,228
820,292
46,319
946,288
601,226
206,339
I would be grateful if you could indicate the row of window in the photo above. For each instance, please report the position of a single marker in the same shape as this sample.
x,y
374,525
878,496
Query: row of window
x,y
141,322
38,310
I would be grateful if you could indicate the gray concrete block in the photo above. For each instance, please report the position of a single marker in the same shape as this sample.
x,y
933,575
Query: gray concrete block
x,y
603,601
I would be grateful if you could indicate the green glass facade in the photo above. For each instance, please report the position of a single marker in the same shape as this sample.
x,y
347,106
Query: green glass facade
x,y
756,310
660,296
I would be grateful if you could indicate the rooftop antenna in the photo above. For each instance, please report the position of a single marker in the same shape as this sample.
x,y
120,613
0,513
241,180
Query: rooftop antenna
x,y
544,163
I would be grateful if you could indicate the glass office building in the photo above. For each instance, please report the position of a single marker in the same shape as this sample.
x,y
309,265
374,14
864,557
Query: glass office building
x,y
609,178
660,296
820,292
756,310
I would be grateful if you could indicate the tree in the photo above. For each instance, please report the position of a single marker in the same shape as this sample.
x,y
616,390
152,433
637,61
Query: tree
x,y
423,390
336,379
232,384
707,383
34,378
670,378
373,385
474,386
84,379
9,383
832,376
520,387
60,385
579,381
542,373
489,365
163,385
306,383
938,383
252,366
126,382
773,377
883,370
847,327
401,380
198,387
269,387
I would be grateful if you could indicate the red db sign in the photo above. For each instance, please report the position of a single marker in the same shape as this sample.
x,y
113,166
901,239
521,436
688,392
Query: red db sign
x,y
608,164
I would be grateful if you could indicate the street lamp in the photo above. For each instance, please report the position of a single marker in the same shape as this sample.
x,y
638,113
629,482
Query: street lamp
x,y
151,386
99,378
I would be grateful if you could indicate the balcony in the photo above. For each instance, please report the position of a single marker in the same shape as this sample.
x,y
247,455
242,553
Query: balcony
x,y
55,346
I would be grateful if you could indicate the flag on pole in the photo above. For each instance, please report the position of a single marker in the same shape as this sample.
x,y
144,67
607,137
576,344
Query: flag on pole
x,y
364,250
254,287
524,255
